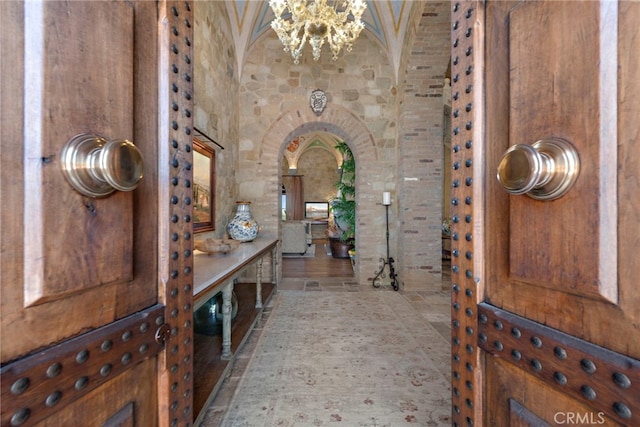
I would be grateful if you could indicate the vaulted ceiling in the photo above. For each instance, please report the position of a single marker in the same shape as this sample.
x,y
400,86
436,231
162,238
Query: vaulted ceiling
x,y
385,22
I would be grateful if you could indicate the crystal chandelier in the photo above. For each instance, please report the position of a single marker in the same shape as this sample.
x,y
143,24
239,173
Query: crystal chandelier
x,y
315,22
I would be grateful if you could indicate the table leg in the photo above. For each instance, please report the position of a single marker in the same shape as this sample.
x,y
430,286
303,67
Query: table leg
x,y
259,283
274,266
226,321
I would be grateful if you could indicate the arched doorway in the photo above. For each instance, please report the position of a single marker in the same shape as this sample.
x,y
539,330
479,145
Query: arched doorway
x,y
313,160
347,127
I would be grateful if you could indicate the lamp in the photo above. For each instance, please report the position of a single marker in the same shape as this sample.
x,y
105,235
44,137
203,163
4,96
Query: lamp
x,y
386,201
315,22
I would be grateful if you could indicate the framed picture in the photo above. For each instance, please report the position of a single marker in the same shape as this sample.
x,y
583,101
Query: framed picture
x,y
316,210
204,166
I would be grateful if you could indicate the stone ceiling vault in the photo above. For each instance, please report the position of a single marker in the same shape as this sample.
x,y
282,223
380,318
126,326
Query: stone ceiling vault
x,y
385,22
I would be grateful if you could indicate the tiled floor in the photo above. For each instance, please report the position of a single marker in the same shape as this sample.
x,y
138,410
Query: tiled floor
x,y
434,306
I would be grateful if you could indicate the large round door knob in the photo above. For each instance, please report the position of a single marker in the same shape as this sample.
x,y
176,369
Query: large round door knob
x,y
544,170
96,167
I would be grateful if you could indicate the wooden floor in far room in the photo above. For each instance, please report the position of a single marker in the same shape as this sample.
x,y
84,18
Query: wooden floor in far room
x,y
322,265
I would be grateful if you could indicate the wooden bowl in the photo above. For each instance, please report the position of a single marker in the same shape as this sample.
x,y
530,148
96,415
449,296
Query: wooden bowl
x,y
216,246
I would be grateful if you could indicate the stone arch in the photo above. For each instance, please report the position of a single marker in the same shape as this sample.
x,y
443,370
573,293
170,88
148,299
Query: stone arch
x,y
335,120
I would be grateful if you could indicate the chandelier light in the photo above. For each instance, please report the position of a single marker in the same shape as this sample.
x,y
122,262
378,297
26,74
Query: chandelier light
x,y
336,22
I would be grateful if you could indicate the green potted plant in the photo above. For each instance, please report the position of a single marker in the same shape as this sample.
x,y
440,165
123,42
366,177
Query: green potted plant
x,y
343,206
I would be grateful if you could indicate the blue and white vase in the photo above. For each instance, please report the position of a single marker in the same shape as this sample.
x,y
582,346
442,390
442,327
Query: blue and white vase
x,y
243,227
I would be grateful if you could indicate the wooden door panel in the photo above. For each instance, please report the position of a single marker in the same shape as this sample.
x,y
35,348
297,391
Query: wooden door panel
x,y
78,256
629,160
520,416
558,81
125,401
523,400
65,60
544,302
45,383
587,375
557,263
78,273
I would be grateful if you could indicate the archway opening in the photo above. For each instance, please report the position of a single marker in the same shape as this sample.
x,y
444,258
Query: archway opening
x,y
342,125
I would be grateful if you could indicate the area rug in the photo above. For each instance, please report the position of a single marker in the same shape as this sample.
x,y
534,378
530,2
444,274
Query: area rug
x,y
357,359
310,253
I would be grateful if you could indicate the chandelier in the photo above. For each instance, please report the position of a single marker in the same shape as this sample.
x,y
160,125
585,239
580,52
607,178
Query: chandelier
x,y
315,22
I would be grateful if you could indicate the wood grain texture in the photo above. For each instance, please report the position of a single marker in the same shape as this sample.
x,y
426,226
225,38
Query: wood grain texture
x,y
554,261
600,379
556,69
105,403
467,209
173,205
629,164
67,372
83,262
540,402
68,50
557,80
73,255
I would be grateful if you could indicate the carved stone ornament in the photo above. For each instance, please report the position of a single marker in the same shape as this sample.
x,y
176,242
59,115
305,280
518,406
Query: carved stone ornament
x,y
318,101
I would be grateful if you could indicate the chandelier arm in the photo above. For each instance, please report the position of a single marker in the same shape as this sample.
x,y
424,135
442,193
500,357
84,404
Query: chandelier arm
x,y
297,51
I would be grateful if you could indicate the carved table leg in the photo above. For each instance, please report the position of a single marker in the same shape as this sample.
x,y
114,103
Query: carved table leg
x,y
259,283
226,322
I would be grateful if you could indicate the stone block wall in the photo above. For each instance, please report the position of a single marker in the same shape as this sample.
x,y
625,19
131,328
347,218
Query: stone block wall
x,y
392,124
421,148
320,172
361,110
216,111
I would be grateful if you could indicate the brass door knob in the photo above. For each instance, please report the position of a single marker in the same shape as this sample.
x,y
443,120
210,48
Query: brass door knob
x,y
96,167
544,170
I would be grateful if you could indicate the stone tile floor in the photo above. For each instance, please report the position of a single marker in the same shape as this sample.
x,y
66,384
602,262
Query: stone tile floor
x,y
434,306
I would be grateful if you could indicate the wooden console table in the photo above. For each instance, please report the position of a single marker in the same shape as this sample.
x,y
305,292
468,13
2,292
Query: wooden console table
x,y
214,274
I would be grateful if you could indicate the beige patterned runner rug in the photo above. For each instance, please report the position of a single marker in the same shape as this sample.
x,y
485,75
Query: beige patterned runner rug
x,y
343,358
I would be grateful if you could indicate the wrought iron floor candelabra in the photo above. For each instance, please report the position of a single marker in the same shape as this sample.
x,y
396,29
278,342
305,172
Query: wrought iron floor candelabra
x,y
387,262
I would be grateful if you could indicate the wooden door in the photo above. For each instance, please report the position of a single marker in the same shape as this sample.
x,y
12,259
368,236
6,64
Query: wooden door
x,y
546,325
96,292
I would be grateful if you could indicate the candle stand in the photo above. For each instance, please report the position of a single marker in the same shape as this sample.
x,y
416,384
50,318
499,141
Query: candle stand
x,y
389,260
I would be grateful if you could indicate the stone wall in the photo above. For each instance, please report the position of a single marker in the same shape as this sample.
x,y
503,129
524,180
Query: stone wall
x,y
420,147
361,110
319,169
320,174
215,86
393,128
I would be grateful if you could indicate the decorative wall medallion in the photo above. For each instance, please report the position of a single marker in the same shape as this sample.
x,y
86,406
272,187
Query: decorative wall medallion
x,y
318,101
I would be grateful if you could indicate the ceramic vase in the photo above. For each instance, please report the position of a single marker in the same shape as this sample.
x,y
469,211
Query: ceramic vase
x,y
243,227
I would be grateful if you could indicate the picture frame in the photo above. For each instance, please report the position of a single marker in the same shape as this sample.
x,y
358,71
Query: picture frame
x,y
203,186
316,210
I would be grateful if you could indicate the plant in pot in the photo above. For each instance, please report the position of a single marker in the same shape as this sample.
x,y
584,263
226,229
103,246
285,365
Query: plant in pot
x,y
342,234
